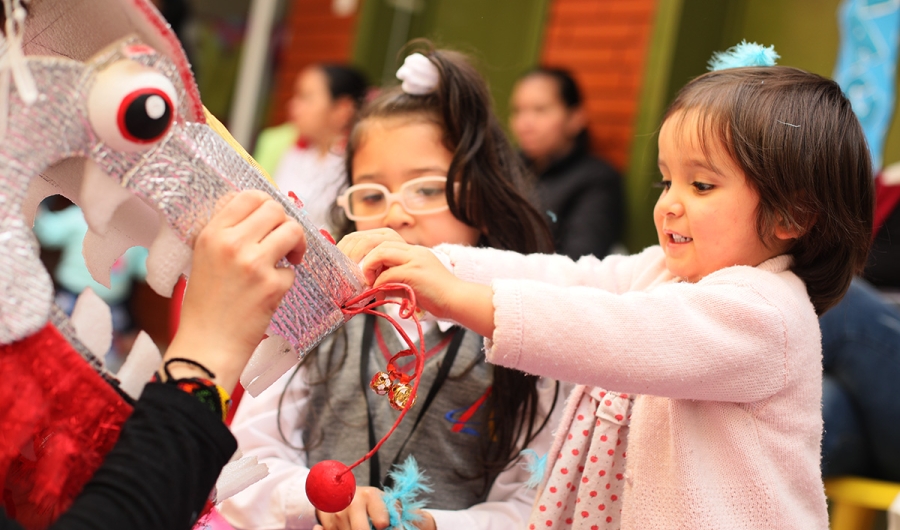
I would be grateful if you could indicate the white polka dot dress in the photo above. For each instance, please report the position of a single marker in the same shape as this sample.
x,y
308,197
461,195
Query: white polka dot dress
x,y
584,489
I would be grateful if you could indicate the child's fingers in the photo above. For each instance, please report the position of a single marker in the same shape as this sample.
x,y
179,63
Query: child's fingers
x,y
265,218
295,255
282,281
333,521
223,201
426,522
357,245
366,510
355,248
286,240
398,274
386,255
348,242
233,208
359,520
378,514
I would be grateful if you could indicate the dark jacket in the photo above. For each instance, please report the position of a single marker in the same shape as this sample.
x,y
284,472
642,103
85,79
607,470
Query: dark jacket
x,y
583,199
160,472
883,267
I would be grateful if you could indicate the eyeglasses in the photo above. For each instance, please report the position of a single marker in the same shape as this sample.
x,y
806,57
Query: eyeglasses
x,y
366,202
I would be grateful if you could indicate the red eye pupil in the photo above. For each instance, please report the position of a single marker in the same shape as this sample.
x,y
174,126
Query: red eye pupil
x,y
145,115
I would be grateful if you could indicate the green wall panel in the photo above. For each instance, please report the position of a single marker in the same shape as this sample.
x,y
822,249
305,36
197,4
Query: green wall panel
x,y
503,36
806,34
685,34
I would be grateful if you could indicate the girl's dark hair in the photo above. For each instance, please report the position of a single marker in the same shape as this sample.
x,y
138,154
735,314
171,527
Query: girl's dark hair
x,y
486,171
569,93
800,146
345,82
491,197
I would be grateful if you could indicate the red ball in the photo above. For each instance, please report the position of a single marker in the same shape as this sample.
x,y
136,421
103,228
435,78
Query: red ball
x,y
330,486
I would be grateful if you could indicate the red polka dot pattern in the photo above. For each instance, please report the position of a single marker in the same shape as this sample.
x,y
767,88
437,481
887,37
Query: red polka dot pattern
x,y
595,444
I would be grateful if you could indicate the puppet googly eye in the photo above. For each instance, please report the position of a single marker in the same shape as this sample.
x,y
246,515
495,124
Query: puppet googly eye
x,y
131,107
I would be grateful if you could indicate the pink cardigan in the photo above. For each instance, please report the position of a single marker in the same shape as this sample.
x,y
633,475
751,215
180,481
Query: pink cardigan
x,y
726,430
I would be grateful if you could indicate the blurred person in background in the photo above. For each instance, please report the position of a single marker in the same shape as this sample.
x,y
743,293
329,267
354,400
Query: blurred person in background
x,y
325,102
581,194
861,355
860,409
883,267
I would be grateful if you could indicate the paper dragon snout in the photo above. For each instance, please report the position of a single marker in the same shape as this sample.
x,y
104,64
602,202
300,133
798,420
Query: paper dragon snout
x,y
114,135
98,104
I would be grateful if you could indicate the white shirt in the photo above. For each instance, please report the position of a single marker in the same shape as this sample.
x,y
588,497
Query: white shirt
x,y
279,500
315,179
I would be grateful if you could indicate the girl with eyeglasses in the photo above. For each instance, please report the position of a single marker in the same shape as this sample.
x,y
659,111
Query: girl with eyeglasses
x,y
430,161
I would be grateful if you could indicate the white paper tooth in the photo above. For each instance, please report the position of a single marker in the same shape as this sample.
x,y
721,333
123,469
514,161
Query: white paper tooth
x,y
92,321
100,197
273,358
134,224
237,475
137,221
143,360
168,258
101,252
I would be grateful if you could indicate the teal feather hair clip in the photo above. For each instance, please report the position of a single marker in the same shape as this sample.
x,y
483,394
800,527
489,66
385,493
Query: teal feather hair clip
x,y
744,54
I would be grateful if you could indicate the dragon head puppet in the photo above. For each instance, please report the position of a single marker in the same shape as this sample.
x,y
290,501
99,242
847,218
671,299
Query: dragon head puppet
x,y
98,104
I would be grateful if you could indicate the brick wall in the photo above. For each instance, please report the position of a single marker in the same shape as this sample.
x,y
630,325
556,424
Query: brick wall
x,y
313,34
604,44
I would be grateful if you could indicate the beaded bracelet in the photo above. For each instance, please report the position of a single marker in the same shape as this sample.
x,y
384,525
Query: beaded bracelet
x,y
207,391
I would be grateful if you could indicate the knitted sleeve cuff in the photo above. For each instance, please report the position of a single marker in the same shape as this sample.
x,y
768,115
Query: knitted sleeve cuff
x,y
506,347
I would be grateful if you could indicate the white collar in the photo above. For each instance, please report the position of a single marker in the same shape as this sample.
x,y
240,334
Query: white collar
x,y
409,326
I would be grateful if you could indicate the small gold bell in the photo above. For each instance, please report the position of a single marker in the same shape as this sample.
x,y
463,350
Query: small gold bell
x,y
381,383
399,394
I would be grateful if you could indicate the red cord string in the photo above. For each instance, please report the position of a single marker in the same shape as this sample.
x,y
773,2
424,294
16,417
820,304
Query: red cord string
x,y
364,303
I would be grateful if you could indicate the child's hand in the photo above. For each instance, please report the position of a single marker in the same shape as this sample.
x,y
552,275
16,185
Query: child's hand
x,y
235,285
367,505
358,244
417,267
385,258
426,522
437,290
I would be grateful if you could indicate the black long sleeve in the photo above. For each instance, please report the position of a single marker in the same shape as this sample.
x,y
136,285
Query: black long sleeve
x,y
591,220
883,267
160,472
584,200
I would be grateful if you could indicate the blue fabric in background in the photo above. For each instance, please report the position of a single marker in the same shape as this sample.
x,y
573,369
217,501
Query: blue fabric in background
x,y
866,65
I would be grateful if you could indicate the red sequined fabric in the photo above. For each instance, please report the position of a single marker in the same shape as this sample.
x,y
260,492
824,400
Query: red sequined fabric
x,y
59,420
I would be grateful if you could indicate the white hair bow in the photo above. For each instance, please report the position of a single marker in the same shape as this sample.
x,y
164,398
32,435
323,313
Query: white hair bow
x,y
420,76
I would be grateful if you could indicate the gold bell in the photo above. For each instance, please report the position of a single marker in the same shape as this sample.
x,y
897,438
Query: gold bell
x,y
381,383
399,394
